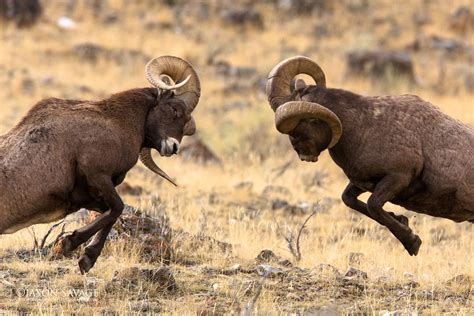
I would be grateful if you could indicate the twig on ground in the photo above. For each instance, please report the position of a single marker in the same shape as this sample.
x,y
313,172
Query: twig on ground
x,y
35,239
61,234
298,251
43,241
294,246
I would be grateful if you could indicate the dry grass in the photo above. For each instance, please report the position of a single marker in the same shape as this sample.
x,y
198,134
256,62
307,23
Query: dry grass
x,y
210,200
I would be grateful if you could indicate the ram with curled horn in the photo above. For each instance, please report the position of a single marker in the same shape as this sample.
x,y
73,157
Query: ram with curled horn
x,y
402,149
65,155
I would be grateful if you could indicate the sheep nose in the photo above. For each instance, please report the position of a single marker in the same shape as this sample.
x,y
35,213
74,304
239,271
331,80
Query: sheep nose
x,y
175,148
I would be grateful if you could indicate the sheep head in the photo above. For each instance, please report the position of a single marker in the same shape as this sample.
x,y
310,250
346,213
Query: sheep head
x,y
311,126
171,118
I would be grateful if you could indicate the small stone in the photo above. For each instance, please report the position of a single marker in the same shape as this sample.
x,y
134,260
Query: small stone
x,y
285,263
162,277
355,273
266,270
278,204
266,256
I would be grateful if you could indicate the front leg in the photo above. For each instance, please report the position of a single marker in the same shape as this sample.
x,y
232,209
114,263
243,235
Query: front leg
x,y
102,188
350,198
385,190
93,249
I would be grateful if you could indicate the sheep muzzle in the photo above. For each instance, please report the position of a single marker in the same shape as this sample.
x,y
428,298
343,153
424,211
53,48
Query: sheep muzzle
x,y
288,116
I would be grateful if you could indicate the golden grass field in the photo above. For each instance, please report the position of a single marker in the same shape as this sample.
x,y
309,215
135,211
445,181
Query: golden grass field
x,y
231,202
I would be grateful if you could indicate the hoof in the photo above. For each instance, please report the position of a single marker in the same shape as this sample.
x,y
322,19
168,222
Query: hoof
x,y
63,247
413,246
85,263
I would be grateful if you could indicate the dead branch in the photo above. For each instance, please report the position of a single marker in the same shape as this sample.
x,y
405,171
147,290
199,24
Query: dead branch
x,y
35,239
298,251
43,241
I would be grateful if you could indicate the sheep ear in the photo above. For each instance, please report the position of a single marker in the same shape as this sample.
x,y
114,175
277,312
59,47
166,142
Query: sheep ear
x,y
300,84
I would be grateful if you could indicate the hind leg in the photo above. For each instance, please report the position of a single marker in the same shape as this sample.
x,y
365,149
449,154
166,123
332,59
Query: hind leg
x,y
385,190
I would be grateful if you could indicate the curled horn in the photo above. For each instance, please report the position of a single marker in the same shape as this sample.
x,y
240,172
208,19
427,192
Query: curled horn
x,y
279,79
187,88
190,127
289,115
147,160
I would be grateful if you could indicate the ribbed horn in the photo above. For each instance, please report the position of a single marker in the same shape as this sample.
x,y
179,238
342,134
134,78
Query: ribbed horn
x,y
147,160
289,115
279,79
187,87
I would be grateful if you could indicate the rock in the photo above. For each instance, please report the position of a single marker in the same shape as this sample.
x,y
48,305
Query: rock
x,y
279,204
92,52
380,65
271,190
266,256
24,13
162,277
354,273
305,6
197,151
28,86
449,46
110,18
236,268
462,20
300,208
357,5
244,16
266,270
285,263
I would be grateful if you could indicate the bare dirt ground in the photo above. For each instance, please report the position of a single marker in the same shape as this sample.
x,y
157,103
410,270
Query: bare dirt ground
x,y
225,240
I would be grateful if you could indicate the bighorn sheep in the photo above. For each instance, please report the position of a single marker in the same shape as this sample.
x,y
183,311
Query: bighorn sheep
x,y
66,154
401,148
